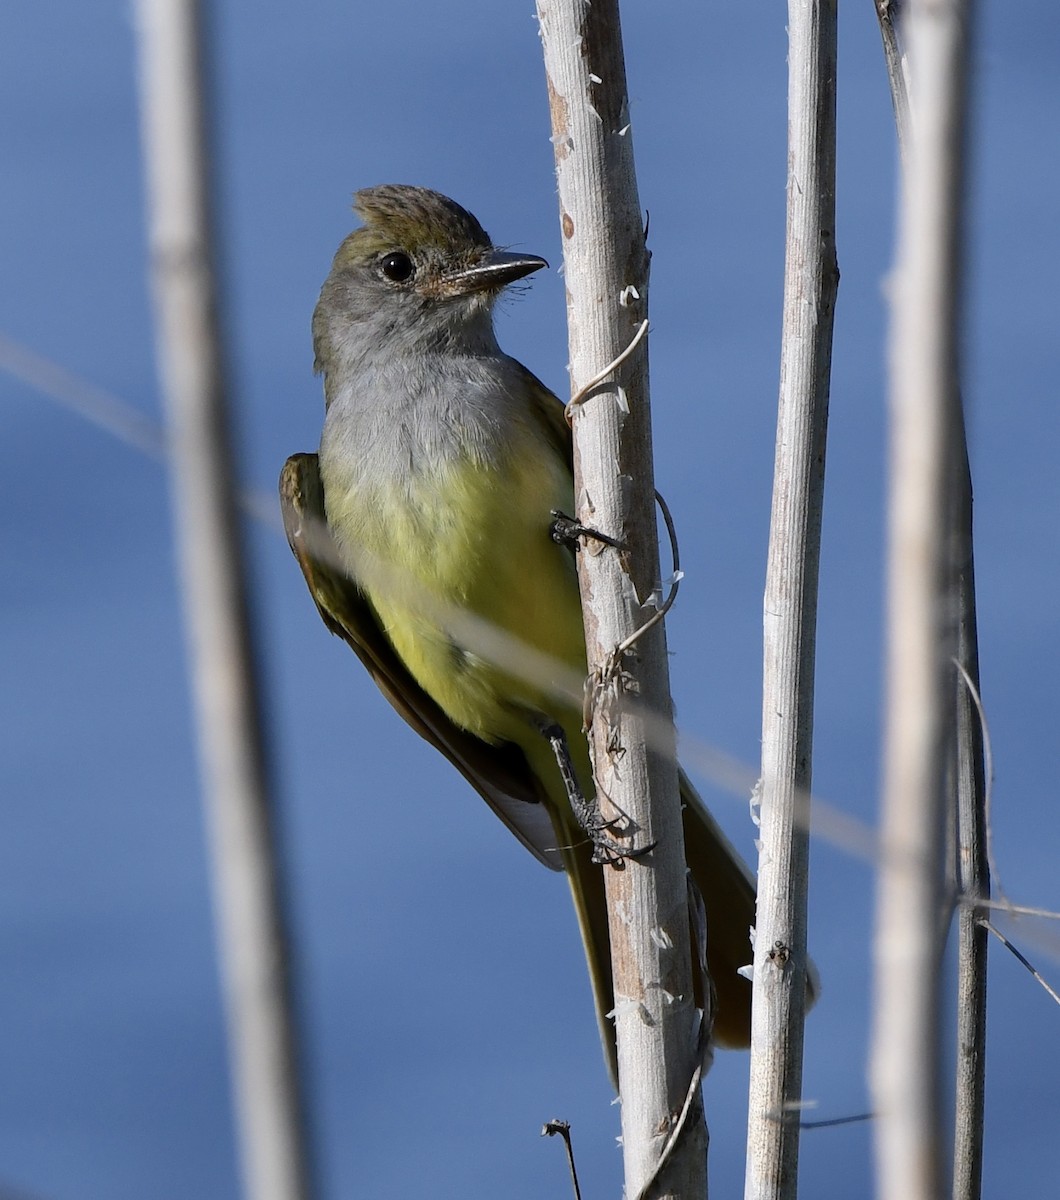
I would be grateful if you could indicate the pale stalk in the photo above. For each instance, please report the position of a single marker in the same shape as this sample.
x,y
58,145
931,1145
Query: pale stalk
x,y
606,275
906,1050
968,774
811,278
238,799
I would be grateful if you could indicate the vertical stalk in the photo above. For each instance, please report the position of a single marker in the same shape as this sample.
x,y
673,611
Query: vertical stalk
x,y
972,867
252,936
906,1054
887,12
968,779
790,607
606,274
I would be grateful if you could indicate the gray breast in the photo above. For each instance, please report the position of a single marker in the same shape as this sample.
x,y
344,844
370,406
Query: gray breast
x,y
397,419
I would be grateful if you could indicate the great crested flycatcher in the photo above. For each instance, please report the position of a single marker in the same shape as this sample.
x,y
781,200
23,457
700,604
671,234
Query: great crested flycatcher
x,y
441,466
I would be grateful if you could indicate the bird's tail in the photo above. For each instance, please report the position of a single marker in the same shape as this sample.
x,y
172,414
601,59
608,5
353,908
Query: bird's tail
x,y
728,890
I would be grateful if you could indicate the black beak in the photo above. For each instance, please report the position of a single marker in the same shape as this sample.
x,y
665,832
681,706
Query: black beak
x,y
496,269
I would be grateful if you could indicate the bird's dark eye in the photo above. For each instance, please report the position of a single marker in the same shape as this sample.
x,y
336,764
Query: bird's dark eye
x,y
397,267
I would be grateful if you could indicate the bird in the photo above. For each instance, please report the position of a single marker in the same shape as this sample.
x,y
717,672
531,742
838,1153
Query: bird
x,y
442,465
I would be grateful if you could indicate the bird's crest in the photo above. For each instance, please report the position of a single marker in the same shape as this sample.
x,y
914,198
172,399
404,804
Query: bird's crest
x,y
415,217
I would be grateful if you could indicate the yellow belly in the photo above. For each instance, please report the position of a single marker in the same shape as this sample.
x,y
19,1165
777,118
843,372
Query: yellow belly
x,y
470,539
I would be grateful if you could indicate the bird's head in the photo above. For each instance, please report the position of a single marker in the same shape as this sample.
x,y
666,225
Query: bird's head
x,y
420,272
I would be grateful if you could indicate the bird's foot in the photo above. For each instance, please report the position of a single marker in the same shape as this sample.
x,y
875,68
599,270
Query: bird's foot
x,y
606,850
566,531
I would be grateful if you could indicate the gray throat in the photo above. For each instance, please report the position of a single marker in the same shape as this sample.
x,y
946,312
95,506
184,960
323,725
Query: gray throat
x,y
415,410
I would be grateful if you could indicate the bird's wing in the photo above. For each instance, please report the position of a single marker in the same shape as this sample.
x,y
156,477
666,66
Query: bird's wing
x,y
548,409
499,773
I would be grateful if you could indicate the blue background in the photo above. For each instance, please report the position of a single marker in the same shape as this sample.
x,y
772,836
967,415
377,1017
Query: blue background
x,y
447,1009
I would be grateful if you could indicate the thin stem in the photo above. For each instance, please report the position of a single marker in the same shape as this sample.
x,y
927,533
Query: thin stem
x,y
790,607
237,785
606,274
912,893
970,768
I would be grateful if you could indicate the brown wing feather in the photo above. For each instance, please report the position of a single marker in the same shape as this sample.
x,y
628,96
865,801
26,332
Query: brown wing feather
x,y
499,773
549,410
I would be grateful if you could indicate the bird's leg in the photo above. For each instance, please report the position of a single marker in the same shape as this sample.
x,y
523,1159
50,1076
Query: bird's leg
x,y
566,531
587,812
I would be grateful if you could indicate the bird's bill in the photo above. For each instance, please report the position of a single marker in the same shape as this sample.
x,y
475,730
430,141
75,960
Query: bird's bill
x,y
496,269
